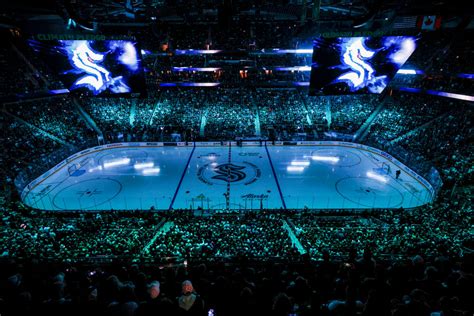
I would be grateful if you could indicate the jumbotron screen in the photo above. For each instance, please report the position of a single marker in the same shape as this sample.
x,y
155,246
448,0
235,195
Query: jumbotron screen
x,y
357,65
106,67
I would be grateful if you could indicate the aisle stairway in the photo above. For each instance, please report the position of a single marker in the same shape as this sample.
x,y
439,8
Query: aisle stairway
x,y
133,110
294,239
417,129
87,118
162,229
258,131
202,127
42,131
364,129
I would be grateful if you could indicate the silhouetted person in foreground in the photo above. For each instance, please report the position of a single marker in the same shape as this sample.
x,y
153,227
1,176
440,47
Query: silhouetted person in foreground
x,y
190,303
155,303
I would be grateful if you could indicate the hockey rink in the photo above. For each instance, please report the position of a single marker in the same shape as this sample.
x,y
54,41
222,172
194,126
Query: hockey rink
x,y
228,177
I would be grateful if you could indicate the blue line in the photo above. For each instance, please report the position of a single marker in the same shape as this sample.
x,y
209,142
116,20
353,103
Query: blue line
x,y
182,177
227,204
275,176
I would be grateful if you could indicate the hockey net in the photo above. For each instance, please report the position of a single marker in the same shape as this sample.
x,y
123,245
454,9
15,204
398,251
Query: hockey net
x,y
385,168
74,166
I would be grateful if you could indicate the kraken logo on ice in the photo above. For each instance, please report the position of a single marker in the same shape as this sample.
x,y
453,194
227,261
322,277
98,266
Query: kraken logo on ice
x,y
229,172
243,172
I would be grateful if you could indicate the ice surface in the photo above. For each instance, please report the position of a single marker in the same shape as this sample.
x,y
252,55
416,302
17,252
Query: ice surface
x,y
324,177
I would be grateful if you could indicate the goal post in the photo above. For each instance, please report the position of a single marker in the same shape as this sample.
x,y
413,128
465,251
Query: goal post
x,y
73,167
385,168
76,165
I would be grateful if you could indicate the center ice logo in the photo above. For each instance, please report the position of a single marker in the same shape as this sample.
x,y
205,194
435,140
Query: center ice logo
x,y
242,173
229,172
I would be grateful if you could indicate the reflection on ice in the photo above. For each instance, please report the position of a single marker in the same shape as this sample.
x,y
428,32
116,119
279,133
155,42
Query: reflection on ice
x,y
143,165
96,168
116,162
294,169
325,158
377,177
151,171
303,163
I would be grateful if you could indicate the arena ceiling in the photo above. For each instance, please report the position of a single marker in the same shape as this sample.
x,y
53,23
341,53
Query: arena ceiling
x,y
347,13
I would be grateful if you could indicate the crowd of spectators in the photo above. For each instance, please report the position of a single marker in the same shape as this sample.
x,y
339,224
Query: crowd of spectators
x,y
442,227
111,114
404,112
328,262
228,115
349,113
383,262
57,116
187,108
365,285
224,236
354,252
281,110
74,237
451,152
24,148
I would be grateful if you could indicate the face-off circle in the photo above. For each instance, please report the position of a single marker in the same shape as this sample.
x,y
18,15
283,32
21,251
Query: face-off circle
x,y
87,194
365,192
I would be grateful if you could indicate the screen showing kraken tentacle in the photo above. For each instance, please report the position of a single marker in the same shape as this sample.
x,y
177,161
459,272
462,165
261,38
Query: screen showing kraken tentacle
x,y
109,67
356,65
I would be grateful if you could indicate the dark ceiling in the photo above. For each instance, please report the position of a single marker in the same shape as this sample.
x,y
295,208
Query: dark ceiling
x,y
190,11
